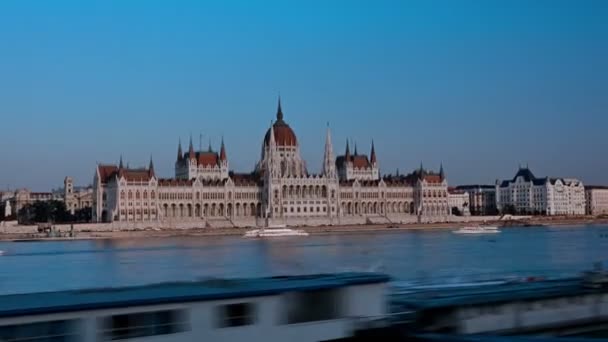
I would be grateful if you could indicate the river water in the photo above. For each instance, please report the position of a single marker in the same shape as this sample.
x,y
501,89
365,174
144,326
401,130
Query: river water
x,y
408,256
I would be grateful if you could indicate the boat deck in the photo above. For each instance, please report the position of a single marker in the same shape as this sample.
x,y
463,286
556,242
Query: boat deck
x,y
178,292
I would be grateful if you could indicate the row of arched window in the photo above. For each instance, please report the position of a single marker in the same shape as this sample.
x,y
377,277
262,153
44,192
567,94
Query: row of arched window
x,y
137,194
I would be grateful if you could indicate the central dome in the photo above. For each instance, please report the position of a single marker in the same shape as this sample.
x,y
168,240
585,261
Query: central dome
x,y
283,134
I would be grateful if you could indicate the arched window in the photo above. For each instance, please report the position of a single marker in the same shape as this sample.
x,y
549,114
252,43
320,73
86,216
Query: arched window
x,y
145,194
122,195
130,195
137,194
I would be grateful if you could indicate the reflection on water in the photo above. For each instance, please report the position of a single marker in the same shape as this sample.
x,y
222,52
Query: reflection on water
x,y
423,256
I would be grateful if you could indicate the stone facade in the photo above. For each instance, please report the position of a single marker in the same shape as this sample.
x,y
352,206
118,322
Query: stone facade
x,y
526,194
280,190
596,200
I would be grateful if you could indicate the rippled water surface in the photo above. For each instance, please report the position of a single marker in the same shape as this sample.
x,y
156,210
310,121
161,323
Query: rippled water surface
x,y
412,256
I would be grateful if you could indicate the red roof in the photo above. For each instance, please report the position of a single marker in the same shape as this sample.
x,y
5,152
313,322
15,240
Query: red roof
x,y
135,174
106,172
432,178
360,161
283,135
207,158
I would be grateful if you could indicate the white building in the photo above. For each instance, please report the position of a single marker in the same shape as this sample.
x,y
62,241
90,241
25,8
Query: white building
x,y
596,200
526,194
280,190
459,200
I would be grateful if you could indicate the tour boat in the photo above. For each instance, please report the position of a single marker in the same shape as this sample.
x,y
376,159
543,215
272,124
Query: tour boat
x,y
274,232
477,230
305,308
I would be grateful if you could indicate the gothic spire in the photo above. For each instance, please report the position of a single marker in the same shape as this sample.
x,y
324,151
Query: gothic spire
x,y
120,165
441,173
372,155
191,154
279,111
356,148
209,149
180,155
222,151
328,159
347,153
151,167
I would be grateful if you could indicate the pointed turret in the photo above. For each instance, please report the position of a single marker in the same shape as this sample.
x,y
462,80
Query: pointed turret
x,y
347,153
356,149
223,151
151,167
191,153
372,155
180,155
209,149
279,111
441,173
120,165
421,168
329,167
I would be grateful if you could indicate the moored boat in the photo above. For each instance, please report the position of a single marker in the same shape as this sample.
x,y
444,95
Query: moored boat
x,y
477,230
274,232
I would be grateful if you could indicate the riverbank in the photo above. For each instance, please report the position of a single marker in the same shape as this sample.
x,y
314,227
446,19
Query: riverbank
x,y
316,230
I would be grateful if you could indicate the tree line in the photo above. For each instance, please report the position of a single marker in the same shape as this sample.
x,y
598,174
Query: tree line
x,y
53,211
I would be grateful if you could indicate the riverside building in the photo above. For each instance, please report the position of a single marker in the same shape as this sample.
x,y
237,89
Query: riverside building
x,y
280,189
596,200
527,194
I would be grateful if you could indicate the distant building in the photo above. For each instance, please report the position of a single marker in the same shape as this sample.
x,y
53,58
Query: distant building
x,y
279,190
76,198
526,194
482,198
596,200
459,200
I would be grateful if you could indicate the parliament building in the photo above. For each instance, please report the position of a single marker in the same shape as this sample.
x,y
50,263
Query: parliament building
x,y
349,189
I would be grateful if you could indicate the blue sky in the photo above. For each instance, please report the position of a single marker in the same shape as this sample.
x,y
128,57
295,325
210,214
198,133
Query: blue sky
x,y
478,85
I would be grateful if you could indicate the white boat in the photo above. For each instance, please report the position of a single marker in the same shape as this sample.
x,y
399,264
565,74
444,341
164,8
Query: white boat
x,y
274,232
477,230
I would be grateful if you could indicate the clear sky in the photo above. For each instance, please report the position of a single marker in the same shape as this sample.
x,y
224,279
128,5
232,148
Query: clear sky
x,y
478,85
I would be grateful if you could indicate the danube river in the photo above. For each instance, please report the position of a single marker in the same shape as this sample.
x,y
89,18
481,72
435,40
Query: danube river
x,y
410,256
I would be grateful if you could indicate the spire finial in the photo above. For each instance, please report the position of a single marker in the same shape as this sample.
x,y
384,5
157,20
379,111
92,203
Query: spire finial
x,y
279,110
372,156
120,165
179,150
191,154
356,148
222,150
347,153
151,165
441,173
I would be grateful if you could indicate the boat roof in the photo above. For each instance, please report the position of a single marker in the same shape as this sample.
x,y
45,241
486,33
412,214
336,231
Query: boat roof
x,y
491,294
176,292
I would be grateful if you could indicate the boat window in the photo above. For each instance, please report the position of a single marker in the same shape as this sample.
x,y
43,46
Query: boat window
x,y
119,327
312,306
62,330
235,315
